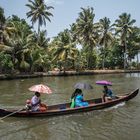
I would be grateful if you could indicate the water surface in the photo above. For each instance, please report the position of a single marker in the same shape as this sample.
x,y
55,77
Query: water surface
x,y
121,122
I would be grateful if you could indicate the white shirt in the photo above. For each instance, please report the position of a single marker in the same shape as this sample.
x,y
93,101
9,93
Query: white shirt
x,y
34,101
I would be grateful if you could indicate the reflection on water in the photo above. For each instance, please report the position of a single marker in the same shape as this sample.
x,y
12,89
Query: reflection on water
x,y
118,123
137,75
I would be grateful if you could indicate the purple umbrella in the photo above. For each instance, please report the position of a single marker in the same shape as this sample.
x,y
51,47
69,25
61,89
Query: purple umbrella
x,y
104,83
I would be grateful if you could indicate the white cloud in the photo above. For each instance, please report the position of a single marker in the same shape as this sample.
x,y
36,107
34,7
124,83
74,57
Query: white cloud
x,y
57,2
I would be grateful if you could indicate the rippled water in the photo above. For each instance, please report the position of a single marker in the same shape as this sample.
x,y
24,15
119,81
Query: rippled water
x,y
121,122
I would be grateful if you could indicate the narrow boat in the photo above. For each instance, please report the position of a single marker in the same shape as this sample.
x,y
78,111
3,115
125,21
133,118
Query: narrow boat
x,y
63,109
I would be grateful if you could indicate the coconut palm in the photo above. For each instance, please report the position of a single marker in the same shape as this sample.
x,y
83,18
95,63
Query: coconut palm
x,y
86,31
6,30
37,52
42,40
2,22
134,44
18,41
106,36
6,65
64,49
39,11
123,29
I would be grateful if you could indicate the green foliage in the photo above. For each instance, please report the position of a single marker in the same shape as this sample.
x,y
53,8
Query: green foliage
x,y
22,49
115,57
24,66
124,26
2,17
6,63
39,11
64,49
87,32
105,39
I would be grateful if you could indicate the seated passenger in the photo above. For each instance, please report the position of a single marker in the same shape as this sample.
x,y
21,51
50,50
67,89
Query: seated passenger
x,y
35,103
79,102
108,94
73,98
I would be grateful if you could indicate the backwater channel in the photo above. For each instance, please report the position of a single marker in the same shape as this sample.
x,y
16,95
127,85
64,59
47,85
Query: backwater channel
x,y
121,122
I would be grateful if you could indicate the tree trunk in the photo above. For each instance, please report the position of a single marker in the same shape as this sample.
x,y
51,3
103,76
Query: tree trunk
x,y
90,57
125,56
103,60
38,32
138,60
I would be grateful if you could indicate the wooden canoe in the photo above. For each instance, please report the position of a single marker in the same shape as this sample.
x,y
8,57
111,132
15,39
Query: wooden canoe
x,y
63,109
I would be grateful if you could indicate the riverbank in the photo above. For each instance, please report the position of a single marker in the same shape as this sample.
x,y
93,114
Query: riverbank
x,y
61,73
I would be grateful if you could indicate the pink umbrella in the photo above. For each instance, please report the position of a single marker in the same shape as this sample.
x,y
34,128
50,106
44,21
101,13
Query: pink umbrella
x,y
104,82
41,89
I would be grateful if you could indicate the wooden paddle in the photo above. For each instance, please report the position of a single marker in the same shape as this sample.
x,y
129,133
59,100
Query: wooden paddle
x,y
12,113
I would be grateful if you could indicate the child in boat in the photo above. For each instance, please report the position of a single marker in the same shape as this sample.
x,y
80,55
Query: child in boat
x,y
35,103
108,94
79,102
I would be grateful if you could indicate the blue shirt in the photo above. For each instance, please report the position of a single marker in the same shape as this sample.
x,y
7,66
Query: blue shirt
x,y
79,101
109,93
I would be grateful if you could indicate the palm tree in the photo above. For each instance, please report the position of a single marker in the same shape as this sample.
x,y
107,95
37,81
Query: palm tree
x,y
6,30
2,22
64,49
39,11
42,40
134,44
18,41
106,36
123,29
86,31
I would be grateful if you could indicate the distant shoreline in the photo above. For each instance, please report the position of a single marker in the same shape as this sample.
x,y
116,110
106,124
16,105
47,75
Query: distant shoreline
x,y
61,73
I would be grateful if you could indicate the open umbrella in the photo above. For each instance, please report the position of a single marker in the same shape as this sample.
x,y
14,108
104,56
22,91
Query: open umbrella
x,y
104,82
83,86
41,89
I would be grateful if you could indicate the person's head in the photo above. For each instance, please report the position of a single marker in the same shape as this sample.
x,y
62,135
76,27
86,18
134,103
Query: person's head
x,y
37,94
105,87
78,91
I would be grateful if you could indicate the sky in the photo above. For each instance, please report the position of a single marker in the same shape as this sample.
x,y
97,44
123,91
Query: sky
x,y
66,12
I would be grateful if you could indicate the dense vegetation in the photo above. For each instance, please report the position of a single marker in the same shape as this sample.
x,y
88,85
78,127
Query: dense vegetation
x,y
104,45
